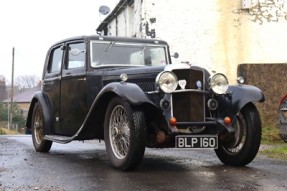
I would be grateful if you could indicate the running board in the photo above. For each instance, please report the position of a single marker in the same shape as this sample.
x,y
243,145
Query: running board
x,y
59,139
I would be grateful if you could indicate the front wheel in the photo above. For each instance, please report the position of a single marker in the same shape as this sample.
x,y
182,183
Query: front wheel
x,y
242,148
38,125
124,134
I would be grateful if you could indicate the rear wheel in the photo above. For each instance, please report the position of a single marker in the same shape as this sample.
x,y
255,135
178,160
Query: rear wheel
x,y
39,143
242,148
124,134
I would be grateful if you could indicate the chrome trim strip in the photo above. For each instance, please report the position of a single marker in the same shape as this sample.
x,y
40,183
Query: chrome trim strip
x,y
180,91
176,67
189,90
153,92
51,79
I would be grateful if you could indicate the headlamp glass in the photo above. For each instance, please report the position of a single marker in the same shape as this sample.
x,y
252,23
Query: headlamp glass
x,y
219,83
167,81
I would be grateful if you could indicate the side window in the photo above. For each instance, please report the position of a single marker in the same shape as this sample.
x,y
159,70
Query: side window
x,y
55,60
76,56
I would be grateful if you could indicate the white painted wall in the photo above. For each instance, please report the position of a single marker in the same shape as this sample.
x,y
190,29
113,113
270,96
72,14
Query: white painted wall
x,y
214,34
112,28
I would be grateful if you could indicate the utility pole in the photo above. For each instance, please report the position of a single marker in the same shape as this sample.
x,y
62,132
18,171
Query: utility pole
x,y
12,91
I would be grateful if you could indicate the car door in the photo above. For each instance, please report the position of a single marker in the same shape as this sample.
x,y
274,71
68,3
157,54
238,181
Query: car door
x,y
52,84
73,88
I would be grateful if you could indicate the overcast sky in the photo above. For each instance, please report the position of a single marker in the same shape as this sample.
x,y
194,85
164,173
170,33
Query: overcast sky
x,y
31,26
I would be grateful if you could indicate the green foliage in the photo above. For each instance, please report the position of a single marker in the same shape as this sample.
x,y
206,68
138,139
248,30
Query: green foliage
x,y
17,114
2,132
270,135
3,112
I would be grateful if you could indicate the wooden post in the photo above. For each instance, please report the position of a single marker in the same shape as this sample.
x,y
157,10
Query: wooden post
x,y
12,91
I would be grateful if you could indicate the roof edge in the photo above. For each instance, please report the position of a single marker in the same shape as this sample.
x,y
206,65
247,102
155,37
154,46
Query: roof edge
x,y
122,4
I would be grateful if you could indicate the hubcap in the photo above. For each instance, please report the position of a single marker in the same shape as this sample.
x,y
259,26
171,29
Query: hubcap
x,y
119,132
239,138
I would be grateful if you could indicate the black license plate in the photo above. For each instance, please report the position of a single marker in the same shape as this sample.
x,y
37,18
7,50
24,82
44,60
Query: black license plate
x,y
196,141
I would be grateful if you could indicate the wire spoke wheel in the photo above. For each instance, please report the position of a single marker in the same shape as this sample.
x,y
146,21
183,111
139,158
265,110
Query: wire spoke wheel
x,y
38,126
125,134
119,132
240,148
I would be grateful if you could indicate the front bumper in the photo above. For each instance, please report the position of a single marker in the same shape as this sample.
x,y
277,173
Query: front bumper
x,y
217,125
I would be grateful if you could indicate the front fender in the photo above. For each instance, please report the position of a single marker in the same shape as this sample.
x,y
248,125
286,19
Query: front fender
x,y
129,91
95,118
238,97
46,107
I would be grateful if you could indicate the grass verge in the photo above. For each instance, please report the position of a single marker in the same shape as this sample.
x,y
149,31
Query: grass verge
x,y
5,131
274,145
276,151
270,135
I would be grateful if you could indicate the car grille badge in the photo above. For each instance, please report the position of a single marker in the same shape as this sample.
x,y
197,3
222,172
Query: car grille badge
x,y
124,77
199,84
182,84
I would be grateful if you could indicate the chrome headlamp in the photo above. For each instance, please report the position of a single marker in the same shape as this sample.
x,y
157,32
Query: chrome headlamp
x,y
167,81
240,80
219,83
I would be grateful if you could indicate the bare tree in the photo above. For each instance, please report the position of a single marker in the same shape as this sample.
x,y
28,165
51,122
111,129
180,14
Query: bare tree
x,y
27,81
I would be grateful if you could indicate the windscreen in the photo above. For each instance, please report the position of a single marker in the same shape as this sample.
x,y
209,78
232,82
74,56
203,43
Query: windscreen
x,y
111,53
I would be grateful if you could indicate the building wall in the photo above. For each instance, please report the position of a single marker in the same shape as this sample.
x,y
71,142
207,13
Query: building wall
x,y
189,27
127,22
215,34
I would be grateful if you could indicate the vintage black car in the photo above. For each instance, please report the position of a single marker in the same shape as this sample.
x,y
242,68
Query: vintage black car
x,y
127,92
283,118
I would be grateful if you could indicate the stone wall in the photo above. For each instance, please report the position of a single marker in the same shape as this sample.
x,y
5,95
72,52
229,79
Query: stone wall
x,y
271,79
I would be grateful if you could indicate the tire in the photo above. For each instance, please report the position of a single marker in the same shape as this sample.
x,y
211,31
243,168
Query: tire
x,y
38,126
282,121
283,137
125,134
242,148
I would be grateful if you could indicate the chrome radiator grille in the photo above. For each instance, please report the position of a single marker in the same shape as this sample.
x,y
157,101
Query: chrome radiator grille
x,y
191,77
189,106
146,86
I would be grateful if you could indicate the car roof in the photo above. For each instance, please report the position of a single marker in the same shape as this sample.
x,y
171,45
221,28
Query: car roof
x,y
113,38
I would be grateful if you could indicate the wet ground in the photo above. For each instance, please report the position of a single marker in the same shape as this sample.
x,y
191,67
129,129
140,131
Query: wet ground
x,y
84,166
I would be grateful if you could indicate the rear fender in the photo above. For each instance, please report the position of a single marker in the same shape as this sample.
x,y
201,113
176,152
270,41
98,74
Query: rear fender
x,y
237,98
46,107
